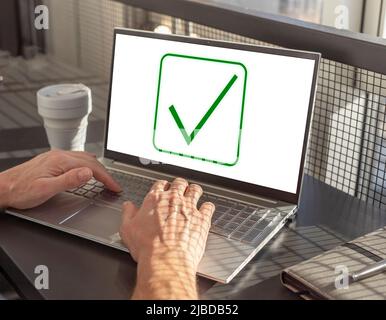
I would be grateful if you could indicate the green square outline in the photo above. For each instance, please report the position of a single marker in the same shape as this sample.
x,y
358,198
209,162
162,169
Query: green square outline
x,y
241,116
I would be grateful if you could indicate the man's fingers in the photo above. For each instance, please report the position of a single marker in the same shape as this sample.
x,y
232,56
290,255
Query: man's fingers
x,y
179,185
207,210
160,185
68,180
128,211
194,192
101,174
99,171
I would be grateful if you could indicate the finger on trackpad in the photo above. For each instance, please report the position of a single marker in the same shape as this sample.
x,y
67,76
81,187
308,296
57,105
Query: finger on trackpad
x,y
102,222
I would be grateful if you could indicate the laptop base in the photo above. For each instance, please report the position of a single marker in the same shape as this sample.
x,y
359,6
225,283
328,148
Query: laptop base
x,y
223,259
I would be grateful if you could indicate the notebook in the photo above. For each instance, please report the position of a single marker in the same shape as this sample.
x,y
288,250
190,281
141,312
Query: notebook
x,y
326,276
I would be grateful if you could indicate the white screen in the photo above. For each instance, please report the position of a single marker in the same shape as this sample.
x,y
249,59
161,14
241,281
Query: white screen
x,y
211,91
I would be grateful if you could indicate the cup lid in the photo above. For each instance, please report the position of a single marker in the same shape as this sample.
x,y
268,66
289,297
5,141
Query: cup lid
x,y
60,96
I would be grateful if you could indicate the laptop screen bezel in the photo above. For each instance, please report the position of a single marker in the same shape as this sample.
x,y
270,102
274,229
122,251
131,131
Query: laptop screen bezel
x,y
223,182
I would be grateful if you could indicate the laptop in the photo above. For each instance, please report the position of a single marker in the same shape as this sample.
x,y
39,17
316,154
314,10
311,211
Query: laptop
x,y
231,117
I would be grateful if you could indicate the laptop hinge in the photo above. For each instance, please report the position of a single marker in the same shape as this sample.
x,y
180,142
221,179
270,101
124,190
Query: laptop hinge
x,y
209,188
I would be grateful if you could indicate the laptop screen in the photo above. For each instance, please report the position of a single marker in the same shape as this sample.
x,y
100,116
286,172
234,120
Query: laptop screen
x,y
234,113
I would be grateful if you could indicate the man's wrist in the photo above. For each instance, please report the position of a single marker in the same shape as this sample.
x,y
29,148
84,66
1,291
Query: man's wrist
x,y
4,191
166,275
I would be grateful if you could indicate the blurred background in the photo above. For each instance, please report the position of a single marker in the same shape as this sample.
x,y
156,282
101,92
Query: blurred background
x,y
347,145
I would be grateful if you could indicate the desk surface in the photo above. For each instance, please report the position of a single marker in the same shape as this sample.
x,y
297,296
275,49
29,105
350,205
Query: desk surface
x,y
81,269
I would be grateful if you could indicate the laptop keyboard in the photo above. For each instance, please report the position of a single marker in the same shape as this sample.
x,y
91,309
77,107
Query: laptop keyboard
x,y
232,219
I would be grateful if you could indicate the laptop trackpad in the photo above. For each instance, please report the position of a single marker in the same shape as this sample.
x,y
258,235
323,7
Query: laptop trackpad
x,y
97,221
56,209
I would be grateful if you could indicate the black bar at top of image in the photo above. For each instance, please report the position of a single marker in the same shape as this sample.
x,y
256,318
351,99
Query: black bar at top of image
x,y
352,48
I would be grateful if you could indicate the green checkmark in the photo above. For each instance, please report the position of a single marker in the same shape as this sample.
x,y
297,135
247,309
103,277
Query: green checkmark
x,y
189,138
164,140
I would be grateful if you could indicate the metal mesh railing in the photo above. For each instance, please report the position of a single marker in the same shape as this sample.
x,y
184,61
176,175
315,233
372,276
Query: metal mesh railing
x,y
347,146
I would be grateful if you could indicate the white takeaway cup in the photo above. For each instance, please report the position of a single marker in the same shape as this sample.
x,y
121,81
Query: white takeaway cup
x,y
65,109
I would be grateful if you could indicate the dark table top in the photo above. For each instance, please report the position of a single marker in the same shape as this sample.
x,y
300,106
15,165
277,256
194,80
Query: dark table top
x,y
81,269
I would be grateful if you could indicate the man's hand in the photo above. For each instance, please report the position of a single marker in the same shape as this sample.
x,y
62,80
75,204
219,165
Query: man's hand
x,y
167,237
39,179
